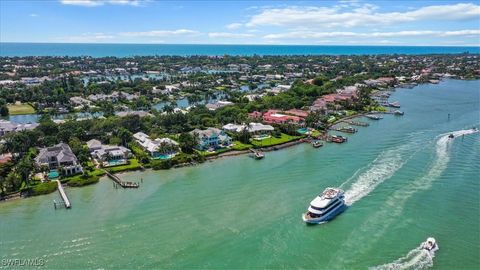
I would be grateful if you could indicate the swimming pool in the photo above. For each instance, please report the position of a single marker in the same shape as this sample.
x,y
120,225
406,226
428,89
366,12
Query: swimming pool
x,y
302,130
53,174
115,162
163,156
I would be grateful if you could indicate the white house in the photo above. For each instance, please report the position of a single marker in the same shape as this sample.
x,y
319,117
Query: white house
x,y
158,148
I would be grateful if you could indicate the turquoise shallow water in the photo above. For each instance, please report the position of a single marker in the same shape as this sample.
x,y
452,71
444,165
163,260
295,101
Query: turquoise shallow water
x,y
404,179
123,50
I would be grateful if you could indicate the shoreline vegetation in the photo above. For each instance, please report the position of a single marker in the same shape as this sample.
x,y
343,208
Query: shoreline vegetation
x,y
211,108
96,175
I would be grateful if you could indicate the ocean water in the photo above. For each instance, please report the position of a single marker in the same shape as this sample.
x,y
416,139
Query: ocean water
x,y
404,178
123,50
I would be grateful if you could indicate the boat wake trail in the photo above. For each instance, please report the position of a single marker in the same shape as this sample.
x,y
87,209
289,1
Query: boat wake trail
x,y
417,258
390,161
379,222
382,168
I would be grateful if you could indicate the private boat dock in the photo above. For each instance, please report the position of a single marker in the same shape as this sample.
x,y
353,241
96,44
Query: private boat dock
x,y
121,183
347,129
66,201
357,123
257,154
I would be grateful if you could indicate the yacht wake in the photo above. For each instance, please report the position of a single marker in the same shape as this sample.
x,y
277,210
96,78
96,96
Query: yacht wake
x,y
378,223
390,161
382,168
440,163
417,258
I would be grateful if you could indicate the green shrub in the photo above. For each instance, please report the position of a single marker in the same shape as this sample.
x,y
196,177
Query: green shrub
x,y
162,164
43,188
83,180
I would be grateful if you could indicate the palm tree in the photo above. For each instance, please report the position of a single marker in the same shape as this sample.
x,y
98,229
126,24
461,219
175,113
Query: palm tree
x,y
125,135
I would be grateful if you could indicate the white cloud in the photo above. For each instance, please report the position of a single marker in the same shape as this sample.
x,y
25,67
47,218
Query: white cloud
x,y
424,33
87,37
233,26
94,3
364,15
162,33
229,35
33,15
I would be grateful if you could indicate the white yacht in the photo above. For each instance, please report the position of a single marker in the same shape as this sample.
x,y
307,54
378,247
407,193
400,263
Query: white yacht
x,y
325,206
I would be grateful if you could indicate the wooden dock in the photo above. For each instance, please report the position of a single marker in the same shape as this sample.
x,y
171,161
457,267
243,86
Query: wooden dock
x,y
344,130
123,184
357,123
65,199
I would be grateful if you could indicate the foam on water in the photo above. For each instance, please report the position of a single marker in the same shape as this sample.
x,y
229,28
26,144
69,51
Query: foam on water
x,y
382,168
417,258
376,225
390,161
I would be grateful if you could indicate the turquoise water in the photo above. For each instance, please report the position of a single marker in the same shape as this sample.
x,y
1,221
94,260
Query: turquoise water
x,y
123,50
116,162
33,118
302,130
53,174
404,180
163,156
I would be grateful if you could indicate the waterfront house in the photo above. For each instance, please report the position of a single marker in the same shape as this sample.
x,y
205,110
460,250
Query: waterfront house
x,y
345,94
276,117
106,153
297,112
159,148
57,157
8,127
255,129
211,138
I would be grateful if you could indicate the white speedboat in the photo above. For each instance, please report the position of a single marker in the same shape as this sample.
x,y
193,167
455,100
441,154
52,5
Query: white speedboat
x,y
430,244
325,206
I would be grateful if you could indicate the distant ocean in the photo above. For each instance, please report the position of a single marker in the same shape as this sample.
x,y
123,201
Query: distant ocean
x,y
124,50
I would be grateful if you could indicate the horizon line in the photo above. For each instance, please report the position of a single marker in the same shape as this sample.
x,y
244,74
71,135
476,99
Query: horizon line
x,y
229,44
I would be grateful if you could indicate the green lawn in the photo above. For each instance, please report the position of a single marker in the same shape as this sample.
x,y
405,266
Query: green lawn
x,y
240,146
274,141
316,133
14,109
218,151
132,165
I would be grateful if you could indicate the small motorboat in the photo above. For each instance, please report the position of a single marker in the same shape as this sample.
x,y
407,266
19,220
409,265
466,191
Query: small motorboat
x,y
373,116
398,112
258,155
394,104
430,244
347,129
317,144
451,136
338,139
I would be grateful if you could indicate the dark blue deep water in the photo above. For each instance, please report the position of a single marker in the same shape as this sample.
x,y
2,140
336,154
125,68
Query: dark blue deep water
x,y
123,50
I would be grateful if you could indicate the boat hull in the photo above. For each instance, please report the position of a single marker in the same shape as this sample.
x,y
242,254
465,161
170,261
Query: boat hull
x,y
326,217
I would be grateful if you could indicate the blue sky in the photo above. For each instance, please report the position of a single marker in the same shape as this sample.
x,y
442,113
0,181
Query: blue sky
x,y
345,22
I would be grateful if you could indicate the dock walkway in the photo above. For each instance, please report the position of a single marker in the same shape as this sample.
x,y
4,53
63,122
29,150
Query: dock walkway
x,y
65,199
121,183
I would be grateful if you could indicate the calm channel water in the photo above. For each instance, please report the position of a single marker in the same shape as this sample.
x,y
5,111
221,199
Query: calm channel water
x,y
405,181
